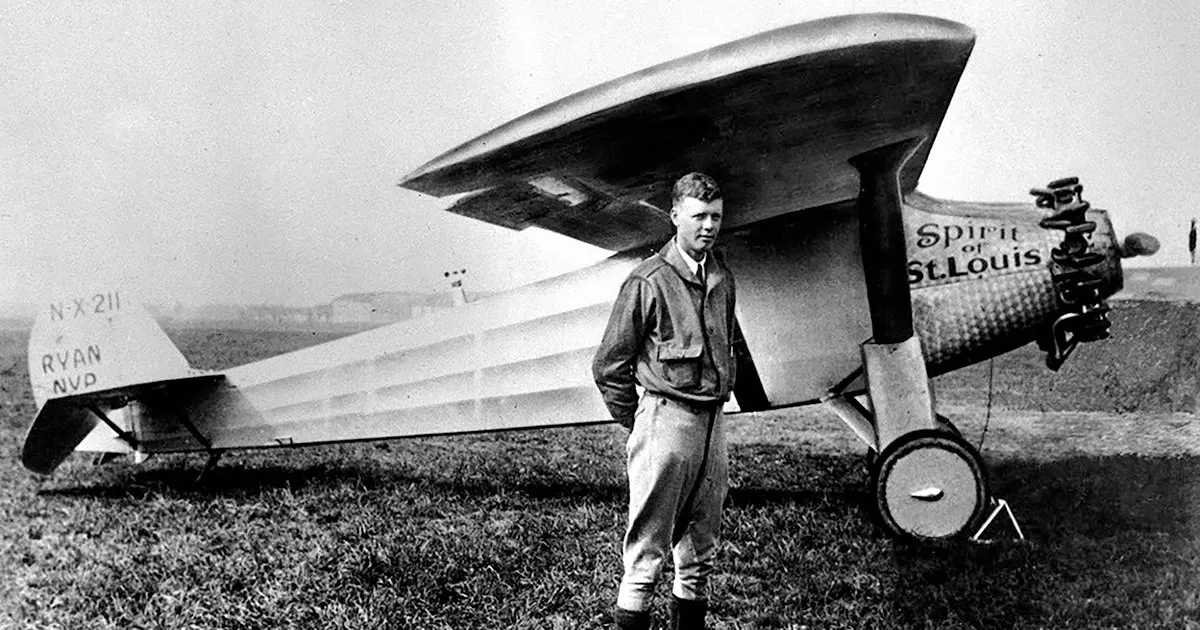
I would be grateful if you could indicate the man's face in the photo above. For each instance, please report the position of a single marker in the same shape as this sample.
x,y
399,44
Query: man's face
x,y
697,224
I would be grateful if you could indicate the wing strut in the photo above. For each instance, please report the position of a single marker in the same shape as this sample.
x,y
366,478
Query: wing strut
x,y
124,435
182,417
213,454
929,483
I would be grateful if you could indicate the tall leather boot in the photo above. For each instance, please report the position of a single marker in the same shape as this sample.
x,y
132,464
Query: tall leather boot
x,y
631,619
688,614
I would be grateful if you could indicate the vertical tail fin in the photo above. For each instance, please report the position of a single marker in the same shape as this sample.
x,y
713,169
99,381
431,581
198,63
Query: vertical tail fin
x,y
98,341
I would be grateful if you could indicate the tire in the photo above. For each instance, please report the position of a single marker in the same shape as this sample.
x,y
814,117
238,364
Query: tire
x,y
929,486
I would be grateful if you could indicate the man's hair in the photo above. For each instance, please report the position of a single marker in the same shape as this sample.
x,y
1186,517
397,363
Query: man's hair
x,y
697,186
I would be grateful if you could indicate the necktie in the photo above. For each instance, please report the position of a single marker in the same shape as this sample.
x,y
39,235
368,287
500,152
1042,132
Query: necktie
x,y
702,276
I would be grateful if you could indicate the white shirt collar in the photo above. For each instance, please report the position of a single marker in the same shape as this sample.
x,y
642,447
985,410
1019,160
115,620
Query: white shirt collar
x,y
692,263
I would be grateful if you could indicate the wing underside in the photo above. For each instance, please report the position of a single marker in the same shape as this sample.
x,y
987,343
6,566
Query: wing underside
x,y
774,117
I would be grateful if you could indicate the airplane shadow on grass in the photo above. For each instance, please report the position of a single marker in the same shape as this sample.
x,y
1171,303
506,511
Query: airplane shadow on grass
x,y
1090,496
1111,542
380,466
1102,532
241,482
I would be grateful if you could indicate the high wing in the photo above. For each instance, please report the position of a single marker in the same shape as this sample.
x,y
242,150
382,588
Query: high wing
x,y
773,117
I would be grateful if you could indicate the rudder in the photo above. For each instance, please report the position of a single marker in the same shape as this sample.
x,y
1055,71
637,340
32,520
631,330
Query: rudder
x,y
95,342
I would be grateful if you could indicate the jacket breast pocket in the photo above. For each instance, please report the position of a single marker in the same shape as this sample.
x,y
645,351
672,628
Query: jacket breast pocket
x,y
681,364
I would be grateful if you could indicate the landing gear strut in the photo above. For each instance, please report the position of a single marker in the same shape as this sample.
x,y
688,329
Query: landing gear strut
x,y
928,483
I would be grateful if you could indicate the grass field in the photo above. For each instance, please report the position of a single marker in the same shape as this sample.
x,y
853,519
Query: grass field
x,y
522,530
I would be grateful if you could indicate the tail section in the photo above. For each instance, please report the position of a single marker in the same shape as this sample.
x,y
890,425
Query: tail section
x,y
88,355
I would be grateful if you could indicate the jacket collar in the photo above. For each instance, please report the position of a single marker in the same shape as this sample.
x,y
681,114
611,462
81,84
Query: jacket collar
x,y
714,269
692,264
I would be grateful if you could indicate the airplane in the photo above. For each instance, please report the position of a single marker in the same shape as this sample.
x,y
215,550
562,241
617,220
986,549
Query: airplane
x,y
854,287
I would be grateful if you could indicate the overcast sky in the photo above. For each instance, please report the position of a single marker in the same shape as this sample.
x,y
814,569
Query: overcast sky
x,y
250,151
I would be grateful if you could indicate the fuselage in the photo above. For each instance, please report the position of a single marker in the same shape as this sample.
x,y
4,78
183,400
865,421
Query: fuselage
x,y
980,279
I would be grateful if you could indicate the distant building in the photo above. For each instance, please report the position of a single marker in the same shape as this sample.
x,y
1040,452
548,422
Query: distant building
x,y
257,314
272,314
386,306
382,307
322,314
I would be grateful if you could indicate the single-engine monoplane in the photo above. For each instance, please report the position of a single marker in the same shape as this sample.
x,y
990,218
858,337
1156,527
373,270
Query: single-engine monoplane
x,y
854,288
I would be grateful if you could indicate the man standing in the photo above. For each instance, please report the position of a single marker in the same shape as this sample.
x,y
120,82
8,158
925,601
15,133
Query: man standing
x,y
1192,242
670,332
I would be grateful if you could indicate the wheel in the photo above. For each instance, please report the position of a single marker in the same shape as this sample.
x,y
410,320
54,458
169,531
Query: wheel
x,y
929,485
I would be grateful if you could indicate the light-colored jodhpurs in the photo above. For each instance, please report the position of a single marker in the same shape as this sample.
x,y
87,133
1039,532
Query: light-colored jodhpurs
x,y
665,454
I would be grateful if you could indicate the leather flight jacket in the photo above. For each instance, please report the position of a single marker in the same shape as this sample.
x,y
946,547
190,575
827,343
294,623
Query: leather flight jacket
x,y
669,335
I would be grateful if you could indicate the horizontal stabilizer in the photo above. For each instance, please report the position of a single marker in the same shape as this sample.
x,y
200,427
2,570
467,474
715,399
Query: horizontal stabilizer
x,y
59,427
63,424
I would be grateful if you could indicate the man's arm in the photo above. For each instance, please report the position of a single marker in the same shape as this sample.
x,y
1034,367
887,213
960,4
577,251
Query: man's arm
x,y
615,363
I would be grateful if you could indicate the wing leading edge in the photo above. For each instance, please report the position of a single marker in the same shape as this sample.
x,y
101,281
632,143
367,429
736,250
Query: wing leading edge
x,y
774,117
